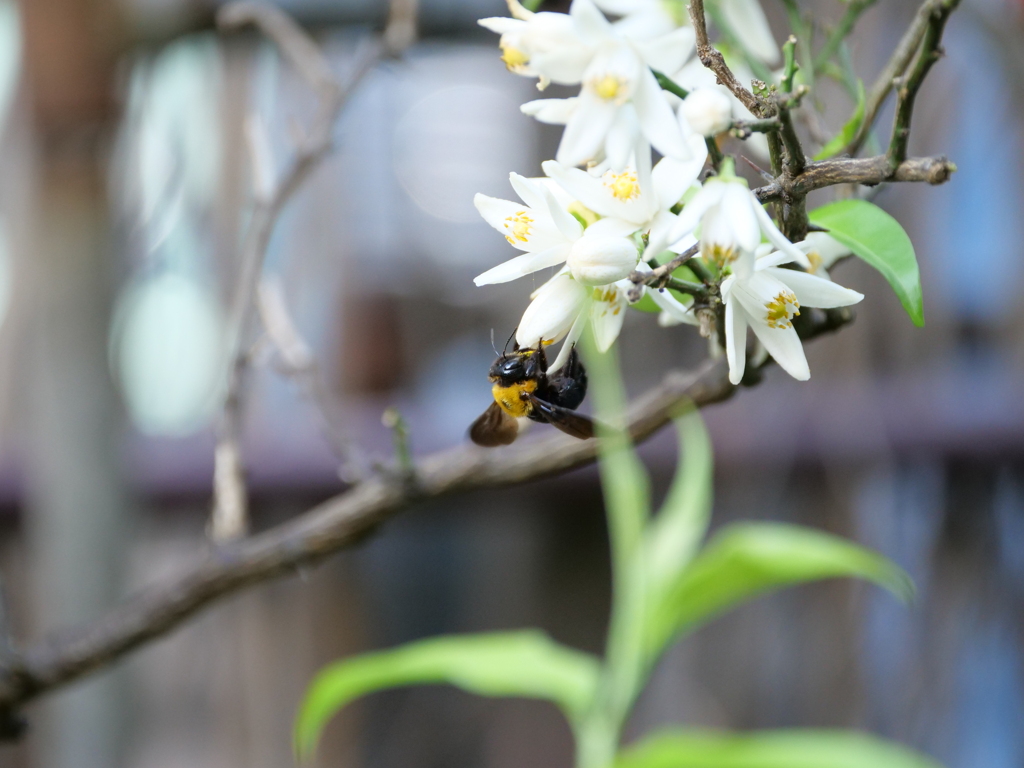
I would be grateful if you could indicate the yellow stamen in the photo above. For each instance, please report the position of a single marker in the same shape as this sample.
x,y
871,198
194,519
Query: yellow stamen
x,y
515,59
718,253
816,261
624,185
607,87
519,227
782,309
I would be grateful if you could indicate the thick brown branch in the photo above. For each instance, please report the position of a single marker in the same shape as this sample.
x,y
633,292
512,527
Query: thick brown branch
x,y
711,58
856,170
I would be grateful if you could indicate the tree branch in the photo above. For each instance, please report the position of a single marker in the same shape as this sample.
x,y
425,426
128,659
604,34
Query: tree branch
x,y
895,67
711,58
336,524
229,518
931,51
856,170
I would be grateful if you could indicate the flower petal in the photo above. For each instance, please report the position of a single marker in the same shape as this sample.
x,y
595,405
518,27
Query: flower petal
x,y
672,307
673,177
668,53
748,23
552,313
611,227
622,138
589,190
523,265
657,121
735,341
738,203
570,341
586,129
606,318
551,111
591,24
784,345
709,195
812,291
565,221
530,192
776,238
502,24
539,234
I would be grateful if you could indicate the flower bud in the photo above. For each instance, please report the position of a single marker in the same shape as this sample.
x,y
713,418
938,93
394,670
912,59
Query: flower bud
x,y
600,260
707,110
554,309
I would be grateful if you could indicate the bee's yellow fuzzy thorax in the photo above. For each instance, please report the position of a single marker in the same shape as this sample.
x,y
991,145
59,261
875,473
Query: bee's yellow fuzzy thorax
x,y
511,398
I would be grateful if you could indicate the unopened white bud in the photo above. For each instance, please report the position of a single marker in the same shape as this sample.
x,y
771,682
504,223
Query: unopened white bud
x,y
554,309
599,260
707,110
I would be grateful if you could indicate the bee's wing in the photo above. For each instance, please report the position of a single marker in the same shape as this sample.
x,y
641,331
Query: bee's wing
x,y
570,422
494,427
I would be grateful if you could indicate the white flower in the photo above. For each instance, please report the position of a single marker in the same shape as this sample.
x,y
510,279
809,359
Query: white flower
x,y
645,19
731,223
551,235
707,110
767,298
649,18
638,195
695,76
562,307
822,251
620,100
544,45
746,19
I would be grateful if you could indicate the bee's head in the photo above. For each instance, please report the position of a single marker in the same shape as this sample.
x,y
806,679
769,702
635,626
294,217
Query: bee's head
x,y
509,369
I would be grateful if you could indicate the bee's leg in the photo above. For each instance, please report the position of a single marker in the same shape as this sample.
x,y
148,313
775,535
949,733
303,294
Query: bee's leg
x,y
542,356
569,386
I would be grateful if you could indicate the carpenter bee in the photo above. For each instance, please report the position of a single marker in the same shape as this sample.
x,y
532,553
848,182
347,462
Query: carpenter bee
x,y
523,388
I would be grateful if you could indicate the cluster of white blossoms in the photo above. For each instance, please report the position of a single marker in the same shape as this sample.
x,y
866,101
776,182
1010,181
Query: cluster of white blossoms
x,y
622,213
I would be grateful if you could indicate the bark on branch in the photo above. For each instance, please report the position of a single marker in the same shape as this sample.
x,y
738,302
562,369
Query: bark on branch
x,y
856,170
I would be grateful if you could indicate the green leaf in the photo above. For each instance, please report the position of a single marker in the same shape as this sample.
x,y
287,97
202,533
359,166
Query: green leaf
x,y
796,748
877,238
526,664
676,532
845,136
745,560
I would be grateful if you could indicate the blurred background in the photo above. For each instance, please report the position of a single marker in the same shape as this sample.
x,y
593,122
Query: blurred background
x,y
124,190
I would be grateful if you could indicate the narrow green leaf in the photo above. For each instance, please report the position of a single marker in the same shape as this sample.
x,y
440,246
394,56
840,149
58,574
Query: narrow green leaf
x,y
796,748
845,136
747,559
877,238
525,664
682,522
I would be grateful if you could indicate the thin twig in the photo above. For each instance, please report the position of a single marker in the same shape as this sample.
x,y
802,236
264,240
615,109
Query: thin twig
x,y
931,51
895,67
845,26
229,504
711,58
656,277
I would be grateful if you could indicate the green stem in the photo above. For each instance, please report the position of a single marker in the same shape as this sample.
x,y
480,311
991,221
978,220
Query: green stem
x,y
670,85
685,286
842,31
626,494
